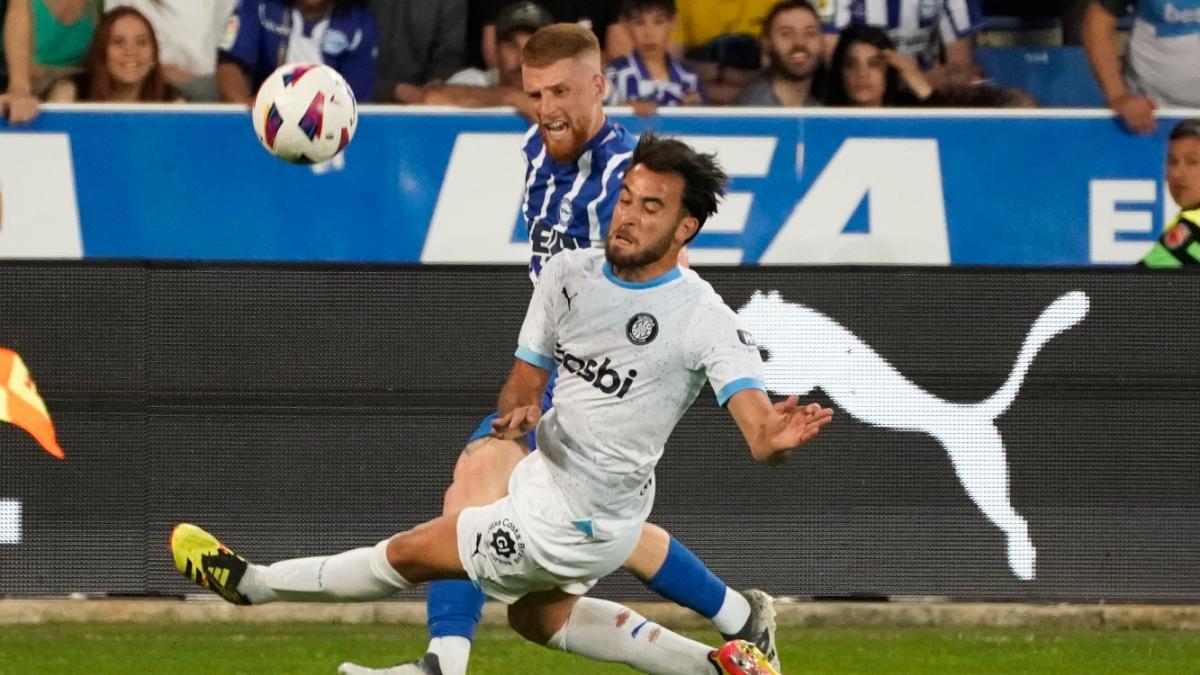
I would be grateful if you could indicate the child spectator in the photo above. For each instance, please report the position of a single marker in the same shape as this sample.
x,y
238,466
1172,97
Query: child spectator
x,y
649,76
120,66
264,34
867,71
188,33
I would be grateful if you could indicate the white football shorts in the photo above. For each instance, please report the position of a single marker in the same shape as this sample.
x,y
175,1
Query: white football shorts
x,y
509,553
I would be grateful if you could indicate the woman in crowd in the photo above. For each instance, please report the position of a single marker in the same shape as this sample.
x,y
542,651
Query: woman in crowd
x,y
868,72
121,65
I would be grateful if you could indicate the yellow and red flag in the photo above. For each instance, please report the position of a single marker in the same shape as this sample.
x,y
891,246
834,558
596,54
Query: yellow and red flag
x,y
21,405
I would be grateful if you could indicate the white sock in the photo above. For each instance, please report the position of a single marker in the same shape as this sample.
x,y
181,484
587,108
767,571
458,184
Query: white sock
x,y
358,575
734,613
606,631
453,652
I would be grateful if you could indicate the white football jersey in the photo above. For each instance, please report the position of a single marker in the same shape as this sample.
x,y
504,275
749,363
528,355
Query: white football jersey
x,y
631,359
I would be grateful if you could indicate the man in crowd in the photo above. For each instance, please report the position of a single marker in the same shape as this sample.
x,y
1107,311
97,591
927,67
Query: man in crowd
x,y
792,43
1162,62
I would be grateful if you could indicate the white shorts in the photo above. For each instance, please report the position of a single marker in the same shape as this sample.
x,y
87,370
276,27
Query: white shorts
x,y
509,554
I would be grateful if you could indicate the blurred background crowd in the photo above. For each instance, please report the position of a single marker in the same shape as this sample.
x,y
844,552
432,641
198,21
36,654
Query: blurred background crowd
x,y
1132,56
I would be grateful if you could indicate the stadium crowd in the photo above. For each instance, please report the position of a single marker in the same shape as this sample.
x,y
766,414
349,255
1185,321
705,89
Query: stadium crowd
x,y
658,52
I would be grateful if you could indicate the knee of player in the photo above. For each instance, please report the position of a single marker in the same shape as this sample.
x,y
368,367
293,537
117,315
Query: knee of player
x,y
402,556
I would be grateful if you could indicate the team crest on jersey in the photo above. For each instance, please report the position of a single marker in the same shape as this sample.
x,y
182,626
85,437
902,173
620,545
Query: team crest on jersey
x,y
824,9
229,37
504,542
641,329
565,212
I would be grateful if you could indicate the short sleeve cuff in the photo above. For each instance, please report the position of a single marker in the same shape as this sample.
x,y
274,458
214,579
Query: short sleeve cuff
x,y
737,385
533,358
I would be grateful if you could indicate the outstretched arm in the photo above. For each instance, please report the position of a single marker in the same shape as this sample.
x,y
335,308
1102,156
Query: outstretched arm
x,y
774,430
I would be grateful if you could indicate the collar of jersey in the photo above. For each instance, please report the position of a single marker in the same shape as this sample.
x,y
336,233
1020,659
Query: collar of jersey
x,y
641,285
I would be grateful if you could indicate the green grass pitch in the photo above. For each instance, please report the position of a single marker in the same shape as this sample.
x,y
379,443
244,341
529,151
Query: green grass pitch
x,y
229,648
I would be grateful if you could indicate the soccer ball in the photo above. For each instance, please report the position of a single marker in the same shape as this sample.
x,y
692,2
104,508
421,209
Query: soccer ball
x,y
305,113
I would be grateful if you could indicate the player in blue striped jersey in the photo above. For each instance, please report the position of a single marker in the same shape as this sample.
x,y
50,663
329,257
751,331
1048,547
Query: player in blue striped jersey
x,y
577,160
570,187
649,76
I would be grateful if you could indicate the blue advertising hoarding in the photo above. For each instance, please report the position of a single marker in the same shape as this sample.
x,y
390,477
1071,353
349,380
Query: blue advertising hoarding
x,y
434,185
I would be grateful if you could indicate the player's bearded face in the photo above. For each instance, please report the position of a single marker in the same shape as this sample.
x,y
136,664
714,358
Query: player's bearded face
x,y
645,219
566,99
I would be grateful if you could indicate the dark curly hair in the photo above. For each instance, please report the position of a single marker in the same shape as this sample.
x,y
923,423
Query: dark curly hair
x,y
836,94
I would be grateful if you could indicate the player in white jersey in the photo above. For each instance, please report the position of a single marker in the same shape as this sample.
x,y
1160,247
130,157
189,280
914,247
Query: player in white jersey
x,y
633,337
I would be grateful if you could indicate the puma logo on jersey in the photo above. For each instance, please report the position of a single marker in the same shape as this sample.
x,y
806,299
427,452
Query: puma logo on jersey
x,y
569,297
809,350
599,374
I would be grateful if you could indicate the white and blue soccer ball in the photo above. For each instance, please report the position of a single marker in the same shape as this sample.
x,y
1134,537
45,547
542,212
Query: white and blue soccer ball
x,y
305,113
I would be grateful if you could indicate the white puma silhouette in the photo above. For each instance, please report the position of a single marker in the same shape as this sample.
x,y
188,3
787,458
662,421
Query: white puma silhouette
x,y
810,350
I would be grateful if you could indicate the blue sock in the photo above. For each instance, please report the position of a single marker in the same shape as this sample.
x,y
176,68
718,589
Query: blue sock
x,y
684,580
454,608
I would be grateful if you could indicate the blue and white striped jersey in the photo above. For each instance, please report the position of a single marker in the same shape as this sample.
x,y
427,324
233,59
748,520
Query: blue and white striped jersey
x,y
568,205
918,27
629,80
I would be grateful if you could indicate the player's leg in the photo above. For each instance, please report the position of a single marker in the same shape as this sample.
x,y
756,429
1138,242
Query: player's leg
x,y
426,552
606,631
670,569
454,607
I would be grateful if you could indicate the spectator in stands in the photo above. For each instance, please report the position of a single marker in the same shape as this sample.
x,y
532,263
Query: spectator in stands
x,y
1162,63
1179,245
721,41
598,16
649,76
120,66
500,86
421,42
262,35
938,33
62,31
19,102
188,32
791,41
867,71
699,22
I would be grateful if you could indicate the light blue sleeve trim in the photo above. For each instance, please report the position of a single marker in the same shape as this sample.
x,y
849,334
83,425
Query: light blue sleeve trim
x,y
533,358
737,385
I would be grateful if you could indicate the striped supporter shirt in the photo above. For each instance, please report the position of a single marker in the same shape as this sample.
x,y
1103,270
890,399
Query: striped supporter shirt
x,y
629,80
917,27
